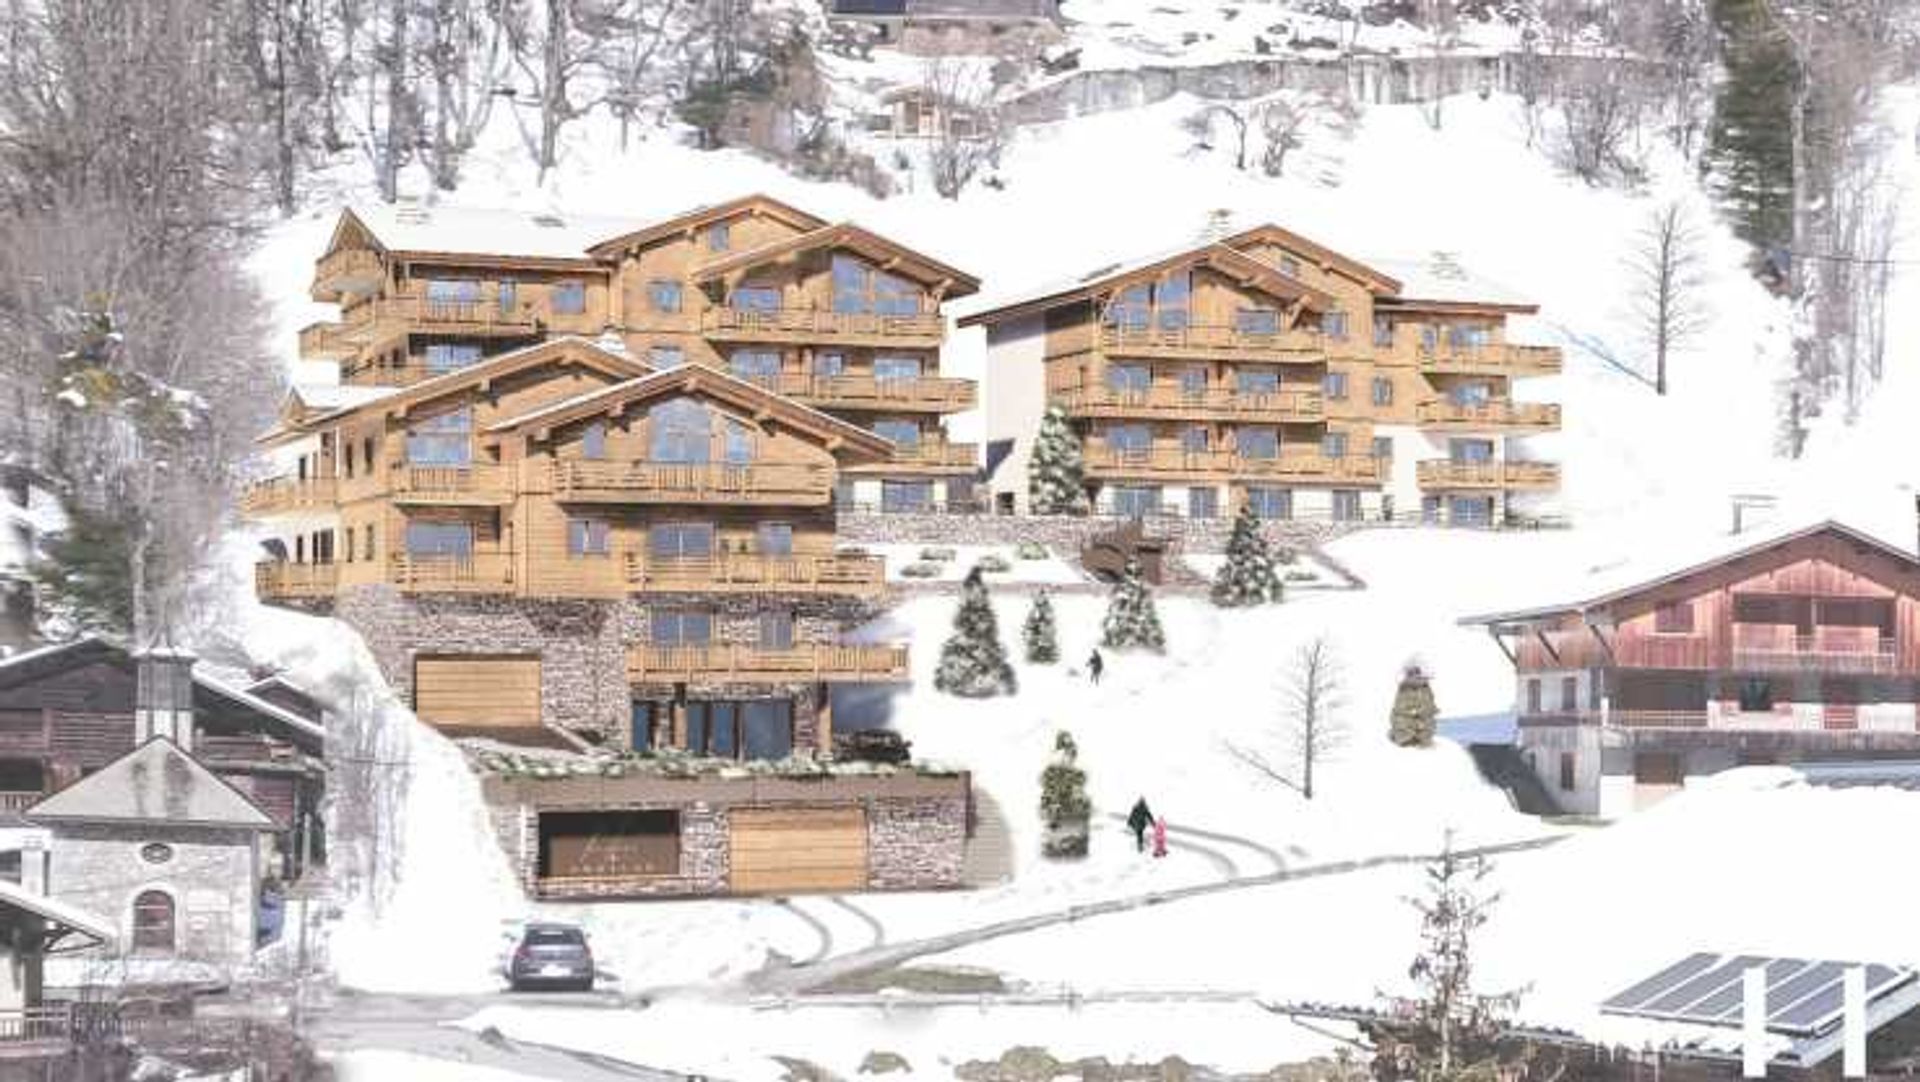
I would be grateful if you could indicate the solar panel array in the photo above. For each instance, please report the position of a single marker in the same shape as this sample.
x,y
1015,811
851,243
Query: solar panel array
x,y
1803,996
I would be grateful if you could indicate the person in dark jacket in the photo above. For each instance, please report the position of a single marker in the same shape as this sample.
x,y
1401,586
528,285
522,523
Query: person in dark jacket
x,y
1095,665
1138,820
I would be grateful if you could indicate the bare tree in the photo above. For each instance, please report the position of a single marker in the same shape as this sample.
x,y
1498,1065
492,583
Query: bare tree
x,y
1283,126
1441,18
640,31
1599,114
969,133
1200,125
1312,727
1667,268
466,63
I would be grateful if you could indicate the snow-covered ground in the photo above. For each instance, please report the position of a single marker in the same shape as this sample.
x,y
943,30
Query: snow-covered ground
x,y
951,563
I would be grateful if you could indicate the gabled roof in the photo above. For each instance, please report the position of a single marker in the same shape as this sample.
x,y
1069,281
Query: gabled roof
x,y
1439,283
1228,260
1629,580
154,783
301,731
1375,280
63,920
422,231
614,241
922,268
838,434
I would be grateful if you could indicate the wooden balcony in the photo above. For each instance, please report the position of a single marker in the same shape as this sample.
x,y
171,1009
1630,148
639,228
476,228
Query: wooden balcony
x,y
805,662
242,750
1173,463
1354,469
474,573
481,484
1202,342
1170,402
382,375
754,483
349,272
850,574
326,342
1449,474
804,326
33,1032
1766,649
13,802
1491,359
384,318
925,457
932,394
1496,415
287,496
278,580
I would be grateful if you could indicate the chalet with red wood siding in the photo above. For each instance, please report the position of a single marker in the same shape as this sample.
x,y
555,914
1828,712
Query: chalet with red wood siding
x,y
1802,644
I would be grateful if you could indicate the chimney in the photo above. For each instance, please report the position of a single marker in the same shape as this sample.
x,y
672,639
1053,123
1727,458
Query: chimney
x,y
612,340
1219,225
33,864
163,697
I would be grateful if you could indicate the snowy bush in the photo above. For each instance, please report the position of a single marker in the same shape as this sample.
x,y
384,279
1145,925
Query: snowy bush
x,y
1031,550
1246,578
993,564
920,569
1056,471
1064,806
1038,635
940,554
1411,724
1131,620
973,664
1300,576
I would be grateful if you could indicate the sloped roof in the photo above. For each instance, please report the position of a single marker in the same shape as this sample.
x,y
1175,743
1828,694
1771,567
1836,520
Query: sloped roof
x,y
154,783
418,229
853,237
1441,280
612,241
66,919
699,377
1028,301
1367,272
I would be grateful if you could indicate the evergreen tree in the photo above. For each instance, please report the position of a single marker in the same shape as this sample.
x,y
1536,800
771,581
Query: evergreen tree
x,y
1247,578
1414,711
1037,634
973,664
1131,618
1064,807
1056,473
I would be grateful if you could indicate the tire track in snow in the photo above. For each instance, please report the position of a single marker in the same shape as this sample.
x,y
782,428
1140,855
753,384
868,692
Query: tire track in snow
x,y
820,929
1229,868
879,934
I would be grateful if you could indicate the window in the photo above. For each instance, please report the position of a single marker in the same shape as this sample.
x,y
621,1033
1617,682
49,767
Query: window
x,y
774,539
1131,308
739,446
776,631
664,357
767,726
1382,391
1129,378
452,540
1566,771
1569,694
1334,445
446,440
1203,503
1289,266
1470,394
756,366
509,296
369,541
1173,297
1468,335
843,493
1346,505
453,291
663,295
1256,381
901,497
1383,448
830,364
1674,619
718,237
593,440
681,627
1756,696
1595,681
1257,321
680,540
366,453
1271,503
1533,696
153,922
1135,501
1128,439
1334,325
1470,510
903,433
450,356
1429,338
852,285
1193,381
1470,450
895,296
588,537
896,368
1335,385
1256,442
1382,332
1193,439
681,431
755,298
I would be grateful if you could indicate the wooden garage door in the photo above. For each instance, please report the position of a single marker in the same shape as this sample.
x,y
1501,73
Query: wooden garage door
x,y
780,850
477,692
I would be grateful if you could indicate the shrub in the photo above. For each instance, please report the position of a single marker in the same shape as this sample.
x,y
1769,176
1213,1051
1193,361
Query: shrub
x,y
993,563
940,553
1031,550
920,569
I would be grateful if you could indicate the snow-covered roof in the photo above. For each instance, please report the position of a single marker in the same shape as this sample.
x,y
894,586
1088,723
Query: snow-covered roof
x,y
1067,289
154,783
95,929
456,230
333,396
1441,278
297,725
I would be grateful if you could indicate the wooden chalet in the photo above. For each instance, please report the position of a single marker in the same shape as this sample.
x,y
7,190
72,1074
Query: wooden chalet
x,y
1263,369
1795,645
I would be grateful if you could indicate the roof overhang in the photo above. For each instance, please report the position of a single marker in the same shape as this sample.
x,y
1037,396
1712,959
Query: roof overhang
x,y
1455,307
756,204
1376,281
1242,268
893,257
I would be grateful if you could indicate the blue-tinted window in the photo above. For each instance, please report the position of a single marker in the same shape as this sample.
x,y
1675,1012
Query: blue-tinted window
x,y
664,295
451,356
569,298
755,299
1256,442
444,539
1135,501
1271,503
1259,321
446,440
681,431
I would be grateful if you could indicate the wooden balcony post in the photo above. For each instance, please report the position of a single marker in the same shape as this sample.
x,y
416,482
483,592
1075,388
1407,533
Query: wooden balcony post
x,y
679,712
823,721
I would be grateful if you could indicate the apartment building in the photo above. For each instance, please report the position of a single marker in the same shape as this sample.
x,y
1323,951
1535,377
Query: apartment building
x,y
1263,369
1795,644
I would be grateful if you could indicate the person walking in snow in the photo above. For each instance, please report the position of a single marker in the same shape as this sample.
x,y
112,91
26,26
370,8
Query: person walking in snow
x,y
1095,663
1138,820
1160,837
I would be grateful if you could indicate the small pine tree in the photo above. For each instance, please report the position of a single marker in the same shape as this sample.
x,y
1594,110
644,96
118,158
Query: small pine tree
x,y
1247,577
1131,618
1414,711
1056,472
973,664
1038,635
1064,807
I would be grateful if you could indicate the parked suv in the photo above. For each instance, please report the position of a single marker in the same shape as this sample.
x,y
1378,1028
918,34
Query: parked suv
x,y
551,956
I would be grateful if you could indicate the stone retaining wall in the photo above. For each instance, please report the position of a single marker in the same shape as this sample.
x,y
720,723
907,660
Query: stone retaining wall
x,y
1067,534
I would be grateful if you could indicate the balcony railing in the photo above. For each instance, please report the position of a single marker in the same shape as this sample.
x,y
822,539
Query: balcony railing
x,y
837,574
349,271
818,325
1492,358
1813,653
474,573
926,455
287,495
482,483
1359,469
278,580
42,1026
1301,404
750,664
1447,473
865,391
1211,341
692,482
325,341
19,800
383,317
1493,414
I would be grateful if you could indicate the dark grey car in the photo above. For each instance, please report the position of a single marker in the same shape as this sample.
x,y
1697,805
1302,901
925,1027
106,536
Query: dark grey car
x,y
551,956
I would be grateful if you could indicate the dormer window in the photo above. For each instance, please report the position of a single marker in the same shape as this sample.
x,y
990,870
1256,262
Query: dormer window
x,y
681,430
452,291
593,441
755,298
1257,321
719,237
1290,266
446,440
569,298
859,288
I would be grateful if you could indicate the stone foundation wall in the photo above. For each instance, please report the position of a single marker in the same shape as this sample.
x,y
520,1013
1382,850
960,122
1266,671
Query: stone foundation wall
x,y
1066,534
918,844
